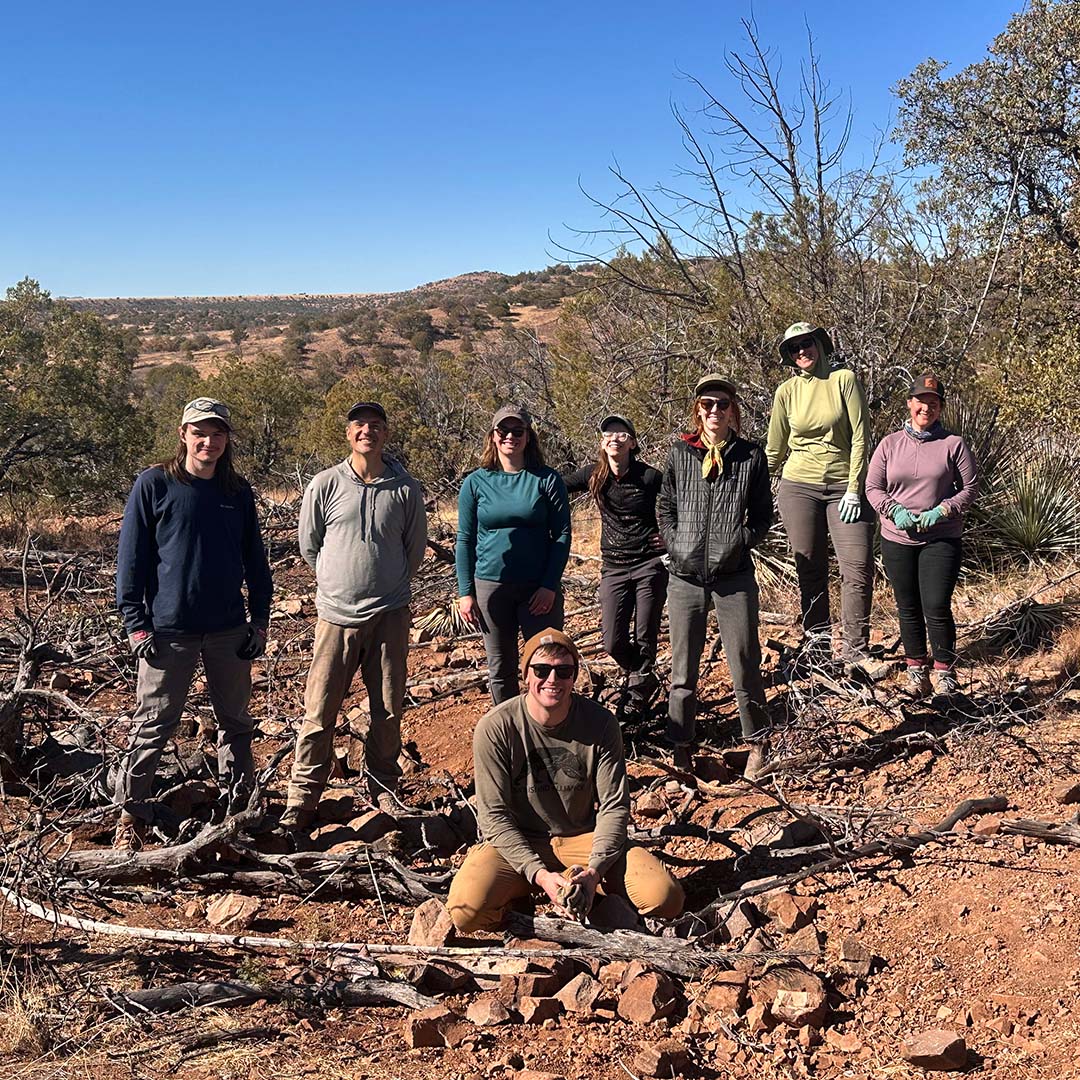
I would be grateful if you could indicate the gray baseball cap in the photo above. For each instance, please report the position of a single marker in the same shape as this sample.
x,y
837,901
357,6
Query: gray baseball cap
x,y
206,408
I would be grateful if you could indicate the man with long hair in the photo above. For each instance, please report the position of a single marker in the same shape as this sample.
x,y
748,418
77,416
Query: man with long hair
x,y
363,530
189,541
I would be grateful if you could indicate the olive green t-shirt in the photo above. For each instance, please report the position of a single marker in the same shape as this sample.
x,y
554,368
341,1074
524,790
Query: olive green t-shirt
x,y
533,783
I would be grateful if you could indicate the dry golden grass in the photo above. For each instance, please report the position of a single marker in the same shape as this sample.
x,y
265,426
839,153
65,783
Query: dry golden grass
x,y
1067,653
24,1015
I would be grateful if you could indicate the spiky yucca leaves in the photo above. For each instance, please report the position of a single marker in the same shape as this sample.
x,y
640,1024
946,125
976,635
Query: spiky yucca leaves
x,y
1028,624
773,562
1029,488
1030,508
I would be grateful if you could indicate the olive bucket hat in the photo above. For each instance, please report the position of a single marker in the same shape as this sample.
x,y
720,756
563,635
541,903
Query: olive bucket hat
x,y
801,330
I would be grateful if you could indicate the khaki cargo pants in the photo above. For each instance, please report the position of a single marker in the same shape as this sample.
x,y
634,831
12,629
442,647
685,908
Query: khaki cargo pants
x,y
379,648
487,884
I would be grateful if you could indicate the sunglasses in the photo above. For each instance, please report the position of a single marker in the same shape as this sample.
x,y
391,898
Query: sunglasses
x,y
617,436
510,432
562,671
720,404
802,344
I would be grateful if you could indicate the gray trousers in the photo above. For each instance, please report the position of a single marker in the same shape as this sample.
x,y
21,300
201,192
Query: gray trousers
x,y
734,597
379,648
811,517
162,689
504,610
631,607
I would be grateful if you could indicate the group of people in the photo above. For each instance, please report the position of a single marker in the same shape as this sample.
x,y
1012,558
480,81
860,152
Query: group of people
x,y
552,794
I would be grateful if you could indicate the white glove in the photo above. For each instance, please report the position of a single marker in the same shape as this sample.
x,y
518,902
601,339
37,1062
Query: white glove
x,y
850,508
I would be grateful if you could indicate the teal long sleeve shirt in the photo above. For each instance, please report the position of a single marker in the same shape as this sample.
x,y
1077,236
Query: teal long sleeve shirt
x,y
512,527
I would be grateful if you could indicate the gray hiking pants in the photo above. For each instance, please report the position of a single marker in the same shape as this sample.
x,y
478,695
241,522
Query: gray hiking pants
x,y
504,610
162,689
379,648
734,597
811,517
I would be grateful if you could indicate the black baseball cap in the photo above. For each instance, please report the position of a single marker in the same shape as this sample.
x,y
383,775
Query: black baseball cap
x,y
616,418
927,384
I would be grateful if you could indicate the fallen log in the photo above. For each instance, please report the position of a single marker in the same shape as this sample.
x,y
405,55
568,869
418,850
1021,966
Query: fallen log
x,y
223,995
300,872
1067,832
663,954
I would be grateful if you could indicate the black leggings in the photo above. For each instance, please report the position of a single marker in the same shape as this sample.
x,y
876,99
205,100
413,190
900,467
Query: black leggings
x,y
923,577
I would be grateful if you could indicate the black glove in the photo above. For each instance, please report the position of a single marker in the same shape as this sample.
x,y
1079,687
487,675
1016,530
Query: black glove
x,y
254,645
142,644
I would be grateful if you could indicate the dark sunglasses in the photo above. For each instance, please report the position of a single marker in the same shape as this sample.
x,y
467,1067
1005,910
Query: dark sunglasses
x,y
708,403
506,432
562,671
801,344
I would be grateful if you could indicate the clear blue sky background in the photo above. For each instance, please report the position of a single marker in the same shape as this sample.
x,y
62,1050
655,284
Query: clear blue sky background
x,y
277,147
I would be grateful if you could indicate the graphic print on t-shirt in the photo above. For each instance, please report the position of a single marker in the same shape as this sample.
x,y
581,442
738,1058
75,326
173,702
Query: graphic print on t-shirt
x,y
542,766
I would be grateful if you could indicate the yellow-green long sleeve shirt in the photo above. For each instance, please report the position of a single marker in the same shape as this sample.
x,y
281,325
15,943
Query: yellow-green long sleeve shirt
x,y
819,423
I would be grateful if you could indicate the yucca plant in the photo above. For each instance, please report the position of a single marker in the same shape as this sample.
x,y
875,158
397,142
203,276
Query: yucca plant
x,y
1030,507
1029,489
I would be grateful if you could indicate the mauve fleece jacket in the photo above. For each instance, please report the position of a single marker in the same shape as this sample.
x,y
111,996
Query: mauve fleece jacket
x,y
921,474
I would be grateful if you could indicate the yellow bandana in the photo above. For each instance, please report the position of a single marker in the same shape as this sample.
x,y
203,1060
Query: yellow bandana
x,y
714,455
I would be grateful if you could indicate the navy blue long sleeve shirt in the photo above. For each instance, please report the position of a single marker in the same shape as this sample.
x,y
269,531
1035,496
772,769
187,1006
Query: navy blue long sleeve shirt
x,y
185,551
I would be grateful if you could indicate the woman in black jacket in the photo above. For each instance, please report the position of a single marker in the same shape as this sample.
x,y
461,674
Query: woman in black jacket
x,y
714,506
633,579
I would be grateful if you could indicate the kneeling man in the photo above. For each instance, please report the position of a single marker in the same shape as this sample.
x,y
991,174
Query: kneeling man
x,y
552,794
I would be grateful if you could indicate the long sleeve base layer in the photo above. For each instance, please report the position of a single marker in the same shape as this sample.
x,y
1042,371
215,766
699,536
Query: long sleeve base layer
x,y
512,528
534,782
819,423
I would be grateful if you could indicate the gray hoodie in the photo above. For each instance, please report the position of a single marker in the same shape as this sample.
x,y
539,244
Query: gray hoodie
x,y
364,541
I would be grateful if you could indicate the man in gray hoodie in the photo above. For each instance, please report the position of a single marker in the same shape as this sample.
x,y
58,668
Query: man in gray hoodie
x,y
363,531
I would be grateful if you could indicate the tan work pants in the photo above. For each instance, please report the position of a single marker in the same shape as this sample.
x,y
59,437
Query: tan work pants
x,y
487,884
379,649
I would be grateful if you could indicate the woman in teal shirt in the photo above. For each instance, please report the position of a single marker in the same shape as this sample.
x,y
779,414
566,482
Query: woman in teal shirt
x,y
512,544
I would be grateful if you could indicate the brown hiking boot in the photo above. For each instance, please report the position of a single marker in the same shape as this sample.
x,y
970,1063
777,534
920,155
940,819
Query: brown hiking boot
x,y
130,834
757,762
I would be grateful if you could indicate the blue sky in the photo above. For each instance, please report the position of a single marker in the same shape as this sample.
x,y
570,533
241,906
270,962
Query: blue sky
x,y
345,147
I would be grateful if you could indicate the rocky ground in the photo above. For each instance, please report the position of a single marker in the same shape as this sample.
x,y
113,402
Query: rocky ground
x,y
863,934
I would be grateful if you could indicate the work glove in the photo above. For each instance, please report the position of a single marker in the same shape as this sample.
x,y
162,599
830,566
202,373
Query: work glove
x,y
574,896
850,508
254,645
903,518
142,644
929,518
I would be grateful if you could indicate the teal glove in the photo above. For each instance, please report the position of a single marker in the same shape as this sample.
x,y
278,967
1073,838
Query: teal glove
x,y
929,518
850,508
903,518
